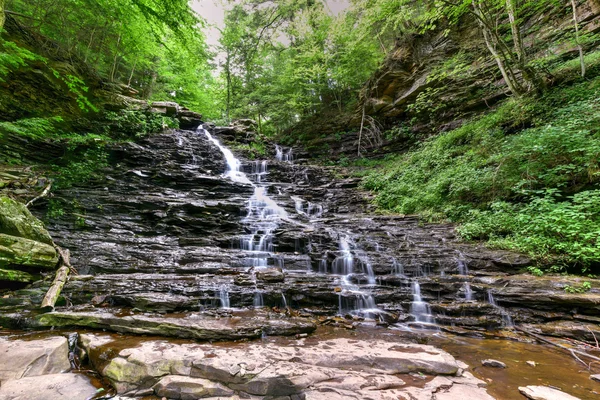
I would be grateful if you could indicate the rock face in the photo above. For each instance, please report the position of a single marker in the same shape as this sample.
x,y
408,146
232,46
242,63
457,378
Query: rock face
x,y
338,368
163,240
410,69
25,245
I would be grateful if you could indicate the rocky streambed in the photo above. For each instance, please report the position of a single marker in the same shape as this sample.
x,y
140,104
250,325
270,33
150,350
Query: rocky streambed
x,y
181,240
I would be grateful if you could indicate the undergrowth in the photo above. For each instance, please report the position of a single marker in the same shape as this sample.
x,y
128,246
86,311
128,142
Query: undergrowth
x,y
524,177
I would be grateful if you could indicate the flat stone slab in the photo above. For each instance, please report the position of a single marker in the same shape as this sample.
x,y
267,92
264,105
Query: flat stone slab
x,y
349,369
545,393
48,387
25,358
191,326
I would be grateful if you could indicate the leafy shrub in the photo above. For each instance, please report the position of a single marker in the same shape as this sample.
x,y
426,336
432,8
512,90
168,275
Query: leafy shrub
x,y
525,177
132,123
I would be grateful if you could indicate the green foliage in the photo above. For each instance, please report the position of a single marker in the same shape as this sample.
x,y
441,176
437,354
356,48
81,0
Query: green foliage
x,y
130,123
525,177
13,57
78,88
156,47
583,288
33,128
83,167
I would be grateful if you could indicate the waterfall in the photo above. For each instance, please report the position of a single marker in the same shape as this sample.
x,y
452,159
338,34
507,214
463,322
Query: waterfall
x,y
343,265
311,210
233,164
282,155
507,321
463,270
258,299
223,295
397,268
264,213
419,308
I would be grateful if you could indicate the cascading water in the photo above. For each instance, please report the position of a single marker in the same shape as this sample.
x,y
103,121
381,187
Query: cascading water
x,y
311,210
507,321
264,214
283,155
343,265
419,308
463,270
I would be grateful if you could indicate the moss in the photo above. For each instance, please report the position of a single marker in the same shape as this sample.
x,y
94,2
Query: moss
x,y
15,276
16,220
26,252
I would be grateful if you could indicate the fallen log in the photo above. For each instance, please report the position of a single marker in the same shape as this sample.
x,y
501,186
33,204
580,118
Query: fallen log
x,y
573,352
42,195
59,280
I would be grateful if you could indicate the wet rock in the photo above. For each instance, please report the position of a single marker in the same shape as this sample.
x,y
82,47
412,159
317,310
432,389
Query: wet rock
x,y
26,253
337,365
531,363
15,276
545,393
493,363
270,275
20,358
186,388
49,387
188,326
595,377
17,220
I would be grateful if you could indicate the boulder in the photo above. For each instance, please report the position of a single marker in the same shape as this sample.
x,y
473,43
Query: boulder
x,y
545,393
188,119
168,108
26,252
49,387
20,358
493,363
270,275
16,220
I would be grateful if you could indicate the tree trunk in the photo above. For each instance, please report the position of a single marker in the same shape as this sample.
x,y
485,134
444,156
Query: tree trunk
x,y
575,18
115,60
516,32
362,125
89,46
228,74
510,80
132,71
2,15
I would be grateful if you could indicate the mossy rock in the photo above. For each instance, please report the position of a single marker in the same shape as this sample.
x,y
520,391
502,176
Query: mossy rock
x,y
8,275
26,252
17,220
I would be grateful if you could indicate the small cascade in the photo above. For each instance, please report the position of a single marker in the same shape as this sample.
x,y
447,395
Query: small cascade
x,y
284,300
281,154
223,295
351,298
259,170
507,321
397,268
468,291
234,166
419,308
184,142
258,299
463,270
311,210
